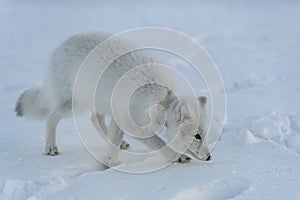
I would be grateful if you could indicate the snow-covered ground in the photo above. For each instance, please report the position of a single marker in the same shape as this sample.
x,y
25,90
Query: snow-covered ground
x,y
256,46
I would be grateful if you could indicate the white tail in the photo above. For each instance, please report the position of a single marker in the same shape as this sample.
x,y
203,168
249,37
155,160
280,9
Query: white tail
x,y
32,104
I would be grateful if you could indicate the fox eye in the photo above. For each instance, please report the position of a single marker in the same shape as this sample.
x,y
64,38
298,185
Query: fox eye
x,y
198,136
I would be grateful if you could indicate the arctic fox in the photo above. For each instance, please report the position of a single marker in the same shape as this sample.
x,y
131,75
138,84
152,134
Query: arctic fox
x,y
53,100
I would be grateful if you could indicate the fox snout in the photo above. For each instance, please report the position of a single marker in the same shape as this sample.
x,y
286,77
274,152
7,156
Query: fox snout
x,y
208,158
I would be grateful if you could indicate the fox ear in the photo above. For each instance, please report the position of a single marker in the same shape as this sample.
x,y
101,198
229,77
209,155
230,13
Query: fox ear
x,y
202,100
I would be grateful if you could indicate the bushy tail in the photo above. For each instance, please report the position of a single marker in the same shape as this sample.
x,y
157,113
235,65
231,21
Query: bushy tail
x,y
32,104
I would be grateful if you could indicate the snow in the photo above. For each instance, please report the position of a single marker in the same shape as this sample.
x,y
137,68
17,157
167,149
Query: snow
x,y
256,46
248,138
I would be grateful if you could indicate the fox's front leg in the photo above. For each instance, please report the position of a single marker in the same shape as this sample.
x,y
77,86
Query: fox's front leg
x,y
99,120
51,124
115,136
156,143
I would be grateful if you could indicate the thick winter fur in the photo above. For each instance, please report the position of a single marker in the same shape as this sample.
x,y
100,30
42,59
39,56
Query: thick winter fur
x,y
53,100
32,104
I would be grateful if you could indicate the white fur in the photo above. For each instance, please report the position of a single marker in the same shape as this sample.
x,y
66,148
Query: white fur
x,y
53,100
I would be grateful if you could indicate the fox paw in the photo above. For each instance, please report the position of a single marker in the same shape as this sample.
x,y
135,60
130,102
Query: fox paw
x,y
110,162
184,159
124,145
51,150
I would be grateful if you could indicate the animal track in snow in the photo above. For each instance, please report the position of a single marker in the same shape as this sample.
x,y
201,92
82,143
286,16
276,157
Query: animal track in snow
x,y
216,190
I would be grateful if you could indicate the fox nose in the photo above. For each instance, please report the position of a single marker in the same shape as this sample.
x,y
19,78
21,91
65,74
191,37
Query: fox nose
x,y
208,157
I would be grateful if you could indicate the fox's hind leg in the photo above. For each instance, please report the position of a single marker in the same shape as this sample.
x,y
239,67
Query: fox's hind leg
x,y
52,121
51,124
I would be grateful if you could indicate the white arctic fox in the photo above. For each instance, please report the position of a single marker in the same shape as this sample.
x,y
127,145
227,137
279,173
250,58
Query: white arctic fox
x,y
53,100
